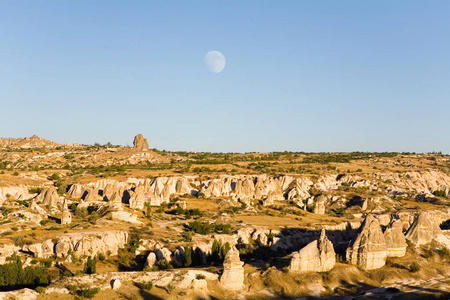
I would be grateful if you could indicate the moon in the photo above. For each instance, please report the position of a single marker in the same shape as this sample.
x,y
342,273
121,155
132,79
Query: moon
x,y
215,61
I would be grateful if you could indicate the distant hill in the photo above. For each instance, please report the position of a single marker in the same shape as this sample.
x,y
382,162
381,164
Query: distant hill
x,y
27,142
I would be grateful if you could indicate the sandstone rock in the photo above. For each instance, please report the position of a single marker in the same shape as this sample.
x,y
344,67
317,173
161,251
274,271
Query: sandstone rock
x,y
66,216
22,294
317,256
34,207
41,250
137,199
423,229
395,239
14,192
116,201
369,249
49,196
91,195
199,285
320,205
140,142
125,216
63,246
76,191
115,284
151,259
6,250
163,253
233,271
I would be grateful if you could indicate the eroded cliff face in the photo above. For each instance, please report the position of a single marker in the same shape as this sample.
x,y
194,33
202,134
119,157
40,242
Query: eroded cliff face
x,y
317,256
369,249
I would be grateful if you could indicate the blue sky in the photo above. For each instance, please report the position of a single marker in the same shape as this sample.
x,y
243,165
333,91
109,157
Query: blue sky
x,y
299,75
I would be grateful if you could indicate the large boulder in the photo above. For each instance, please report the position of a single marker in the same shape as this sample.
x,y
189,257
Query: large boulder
x,y
423,229
151,259
395,239
368,249
317,256
233,271
140,142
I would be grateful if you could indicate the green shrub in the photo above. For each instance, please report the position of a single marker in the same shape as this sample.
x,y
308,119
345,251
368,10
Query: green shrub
x,y
444,252
201,228
439,193
148,213
146,285
73,288
414,267
163,264
40,290
55,176
19,240
81,212
67,273
90,293
101,257
200,276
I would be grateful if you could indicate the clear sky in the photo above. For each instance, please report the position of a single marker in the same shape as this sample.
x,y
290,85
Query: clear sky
x,y
299,75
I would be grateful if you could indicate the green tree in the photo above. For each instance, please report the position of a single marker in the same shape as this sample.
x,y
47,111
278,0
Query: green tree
x,y
90,267
188,256
148,213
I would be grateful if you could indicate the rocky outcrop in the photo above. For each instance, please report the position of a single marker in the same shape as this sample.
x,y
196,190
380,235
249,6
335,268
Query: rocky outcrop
x,y
76,191
40,250
233,271
66,216
90,244
319,208
49,196
317,256
137,198
151,259
140,142
395,239
27,142
6,250
423,229
14,193
369,249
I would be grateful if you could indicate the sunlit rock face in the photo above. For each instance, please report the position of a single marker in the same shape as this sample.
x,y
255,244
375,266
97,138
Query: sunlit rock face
x,y
49,196
317,256
369,249
423,229
140,142
233,271
395,239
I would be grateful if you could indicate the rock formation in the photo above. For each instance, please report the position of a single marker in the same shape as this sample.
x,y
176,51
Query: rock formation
x,y
151,259
66,216
395,239
140,142
423,229
49,196
233,271
320,205
317,256
369,249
